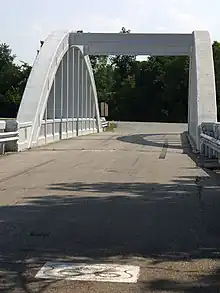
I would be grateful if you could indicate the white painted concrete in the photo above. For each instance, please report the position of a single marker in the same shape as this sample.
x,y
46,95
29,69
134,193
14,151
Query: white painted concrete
x,y
50,91
90,272
2,125
202,91
133,44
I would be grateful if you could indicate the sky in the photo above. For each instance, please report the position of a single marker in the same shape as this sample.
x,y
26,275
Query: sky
x,y
23,23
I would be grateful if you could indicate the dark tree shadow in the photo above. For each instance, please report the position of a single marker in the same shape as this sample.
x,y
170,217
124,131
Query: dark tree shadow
x,y
161,222
145,140
205,284
151,140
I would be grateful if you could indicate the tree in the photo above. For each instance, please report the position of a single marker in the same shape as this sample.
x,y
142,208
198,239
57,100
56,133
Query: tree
x,y
102,70
13,79
123,85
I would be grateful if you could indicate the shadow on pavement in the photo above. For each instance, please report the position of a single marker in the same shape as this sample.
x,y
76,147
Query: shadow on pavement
x,y
146,139
160,222
158,140
205,283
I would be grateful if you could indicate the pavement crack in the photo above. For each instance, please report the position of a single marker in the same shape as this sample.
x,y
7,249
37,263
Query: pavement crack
x,y
164,149
199,186
39,234
3,180
135,162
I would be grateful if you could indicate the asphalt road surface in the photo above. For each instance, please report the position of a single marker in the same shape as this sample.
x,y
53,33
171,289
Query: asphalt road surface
x,y
134,196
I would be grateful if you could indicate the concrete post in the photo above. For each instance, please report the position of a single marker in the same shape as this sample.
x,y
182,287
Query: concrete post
x,y
202,92
11,126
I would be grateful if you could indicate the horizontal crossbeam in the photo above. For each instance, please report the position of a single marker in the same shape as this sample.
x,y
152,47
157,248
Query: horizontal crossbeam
x,y
133,44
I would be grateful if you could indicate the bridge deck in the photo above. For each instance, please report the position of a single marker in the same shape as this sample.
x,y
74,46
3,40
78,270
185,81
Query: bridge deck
x,y
132,196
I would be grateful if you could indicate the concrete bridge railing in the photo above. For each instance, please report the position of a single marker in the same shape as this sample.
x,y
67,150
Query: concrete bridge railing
x,y
14,135
210,141
8,138
65,128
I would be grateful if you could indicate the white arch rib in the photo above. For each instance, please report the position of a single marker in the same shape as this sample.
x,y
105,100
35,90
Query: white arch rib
x,y
40,81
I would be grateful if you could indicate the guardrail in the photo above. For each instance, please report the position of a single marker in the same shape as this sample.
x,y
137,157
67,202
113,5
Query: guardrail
x,y
5,138
210,142
13,136
104,123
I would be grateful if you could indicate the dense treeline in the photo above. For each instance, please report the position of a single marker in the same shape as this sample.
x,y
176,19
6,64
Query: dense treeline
x,y
13,79
151,90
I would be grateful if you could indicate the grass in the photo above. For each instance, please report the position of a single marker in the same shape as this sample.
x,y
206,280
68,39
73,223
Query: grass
x,y
111,126
7,118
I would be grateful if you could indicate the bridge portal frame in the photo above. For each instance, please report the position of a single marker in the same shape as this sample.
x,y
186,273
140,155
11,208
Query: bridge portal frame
x,y
197,45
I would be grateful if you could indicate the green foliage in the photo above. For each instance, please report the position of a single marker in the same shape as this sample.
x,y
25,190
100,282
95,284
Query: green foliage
x,y
13,79
103,75
111,126
151,90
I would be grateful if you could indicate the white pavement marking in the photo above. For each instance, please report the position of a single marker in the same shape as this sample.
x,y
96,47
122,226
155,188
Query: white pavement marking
x,y
89,272
104,150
